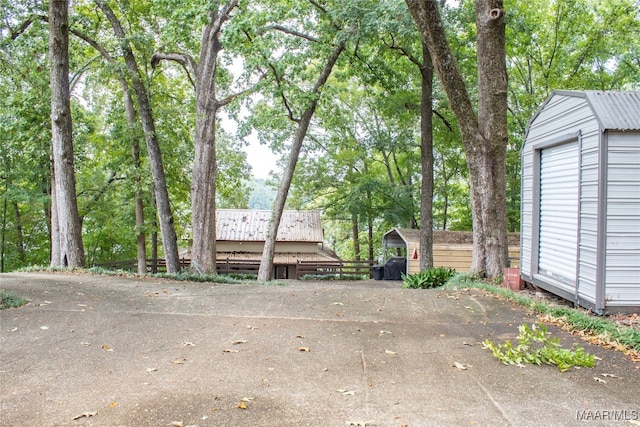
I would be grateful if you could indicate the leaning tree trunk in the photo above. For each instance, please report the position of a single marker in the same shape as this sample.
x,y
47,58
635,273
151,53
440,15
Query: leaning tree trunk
x,y
169,239
483,135
266,262
71,249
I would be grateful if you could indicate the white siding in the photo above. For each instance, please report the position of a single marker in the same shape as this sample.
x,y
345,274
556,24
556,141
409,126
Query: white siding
x,y
623,220
589,202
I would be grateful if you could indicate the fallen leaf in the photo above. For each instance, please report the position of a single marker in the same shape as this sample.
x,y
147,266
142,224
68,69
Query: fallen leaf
x,y
600,380
242,405
247,399
113,404
461,366
226,350
299,336
85,415
106,347
236,342
304,349
610,375
345,392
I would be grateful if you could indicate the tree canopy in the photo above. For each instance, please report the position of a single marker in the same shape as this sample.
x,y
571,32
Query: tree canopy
x,y
344,76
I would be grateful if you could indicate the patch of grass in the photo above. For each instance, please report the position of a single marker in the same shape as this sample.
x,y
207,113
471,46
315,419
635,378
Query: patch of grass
x,y
595,329
535,346
428,279
10,300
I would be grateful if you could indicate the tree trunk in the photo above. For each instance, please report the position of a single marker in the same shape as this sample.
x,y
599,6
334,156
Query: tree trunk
x,y
169,239
426,145
484,135
490,179
20,247
203,181
266,262
141,245
356,236
68,219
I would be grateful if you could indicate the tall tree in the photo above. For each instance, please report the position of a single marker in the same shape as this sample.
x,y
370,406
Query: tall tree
x,y
167,228
484,134
203,182
71,250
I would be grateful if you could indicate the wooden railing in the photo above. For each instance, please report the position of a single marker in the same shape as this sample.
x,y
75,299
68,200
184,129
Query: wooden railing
x,y
228,266
338,267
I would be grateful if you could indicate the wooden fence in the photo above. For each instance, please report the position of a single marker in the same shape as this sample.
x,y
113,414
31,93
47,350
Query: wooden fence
x,y
338,267
228,266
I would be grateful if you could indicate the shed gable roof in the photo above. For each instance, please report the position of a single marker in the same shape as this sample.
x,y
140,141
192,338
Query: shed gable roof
x,y
252,226
614,110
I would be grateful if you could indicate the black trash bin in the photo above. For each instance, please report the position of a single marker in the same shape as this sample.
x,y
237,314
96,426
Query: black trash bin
x,y
395,268
378,272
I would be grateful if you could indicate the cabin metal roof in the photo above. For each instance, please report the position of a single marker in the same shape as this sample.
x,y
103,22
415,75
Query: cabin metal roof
x,y
252,226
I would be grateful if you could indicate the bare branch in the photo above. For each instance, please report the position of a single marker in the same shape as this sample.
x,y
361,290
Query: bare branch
x,y
183,59
288,31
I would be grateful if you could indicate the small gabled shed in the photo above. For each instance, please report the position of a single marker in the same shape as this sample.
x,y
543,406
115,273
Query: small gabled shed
x,y
580,201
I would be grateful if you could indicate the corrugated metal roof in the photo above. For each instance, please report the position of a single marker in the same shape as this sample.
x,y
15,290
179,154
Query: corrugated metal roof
x,y
615,110
252,226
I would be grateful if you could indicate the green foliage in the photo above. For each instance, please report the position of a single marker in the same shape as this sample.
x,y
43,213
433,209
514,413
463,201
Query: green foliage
x,y
535,346
9,300
429,278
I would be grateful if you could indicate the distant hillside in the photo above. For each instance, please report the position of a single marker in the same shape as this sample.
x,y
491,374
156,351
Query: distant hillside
x,y
262,195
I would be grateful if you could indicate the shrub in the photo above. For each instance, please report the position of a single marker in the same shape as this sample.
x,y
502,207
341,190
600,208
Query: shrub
x,y
429,278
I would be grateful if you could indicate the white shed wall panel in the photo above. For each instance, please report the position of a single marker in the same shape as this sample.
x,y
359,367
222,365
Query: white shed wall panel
x,y
623,219
526,215
589,202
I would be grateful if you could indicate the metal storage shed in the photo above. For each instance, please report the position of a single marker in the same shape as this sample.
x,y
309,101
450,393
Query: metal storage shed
x,y
580,210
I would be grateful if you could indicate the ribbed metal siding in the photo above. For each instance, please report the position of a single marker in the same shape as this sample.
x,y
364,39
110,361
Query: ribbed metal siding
x,y
616,110
559,192
623,220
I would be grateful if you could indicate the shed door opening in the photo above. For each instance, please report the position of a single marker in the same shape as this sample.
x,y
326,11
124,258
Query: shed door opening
x,y
559,194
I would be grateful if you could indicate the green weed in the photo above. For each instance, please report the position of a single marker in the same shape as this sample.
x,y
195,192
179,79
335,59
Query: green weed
x,y
535,346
